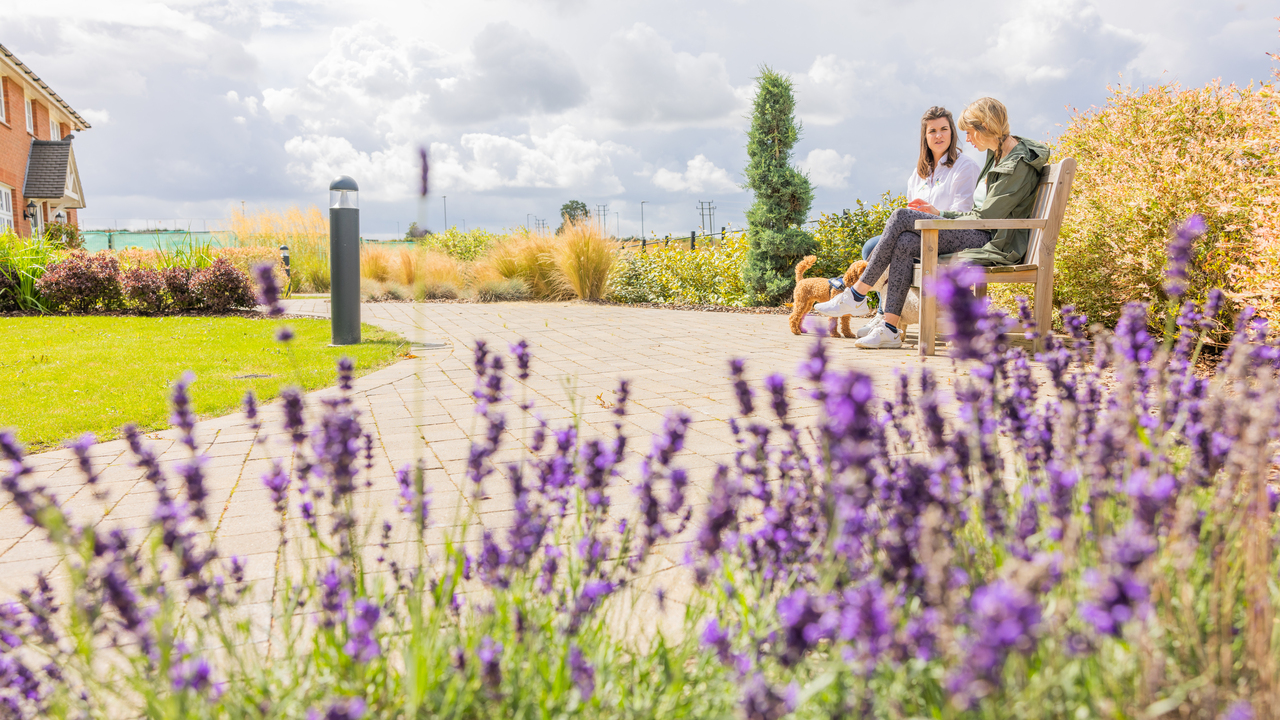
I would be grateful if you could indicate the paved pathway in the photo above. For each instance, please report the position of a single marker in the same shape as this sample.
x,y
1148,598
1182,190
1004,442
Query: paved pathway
x,y
422,407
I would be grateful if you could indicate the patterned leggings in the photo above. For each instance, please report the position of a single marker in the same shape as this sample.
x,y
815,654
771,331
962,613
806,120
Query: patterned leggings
x,y
900,246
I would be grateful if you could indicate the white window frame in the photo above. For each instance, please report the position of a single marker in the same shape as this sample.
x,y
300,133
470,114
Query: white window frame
x,y
37,226
4,110
53,128
31,116
6,208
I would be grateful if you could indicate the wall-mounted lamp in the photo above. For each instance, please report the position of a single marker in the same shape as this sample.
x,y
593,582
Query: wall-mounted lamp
x,y
61,217
30,214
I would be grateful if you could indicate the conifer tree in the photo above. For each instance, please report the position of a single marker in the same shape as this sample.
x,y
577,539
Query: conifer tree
x,y
783,194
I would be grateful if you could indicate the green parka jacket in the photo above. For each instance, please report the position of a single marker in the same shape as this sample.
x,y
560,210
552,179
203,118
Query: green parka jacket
x,y
1011,193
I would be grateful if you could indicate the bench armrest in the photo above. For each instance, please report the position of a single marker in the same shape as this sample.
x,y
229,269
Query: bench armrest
x,y
943,224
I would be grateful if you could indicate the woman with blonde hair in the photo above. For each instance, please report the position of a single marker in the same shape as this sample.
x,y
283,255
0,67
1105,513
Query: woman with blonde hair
x,y
1006,189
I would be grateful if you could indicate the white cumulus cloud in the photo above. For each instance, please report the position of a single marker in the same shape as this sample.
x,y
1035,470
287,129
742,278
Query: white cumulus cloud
x,y
828,168
700,175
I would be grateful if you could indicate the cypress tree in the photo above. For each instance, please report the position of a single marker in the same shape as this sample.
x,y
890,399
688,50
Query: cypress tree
x,y
783,194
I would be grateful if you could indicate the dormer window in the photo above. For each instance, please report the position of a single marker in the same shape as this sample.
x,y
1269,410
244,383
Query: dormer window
x,y
31,117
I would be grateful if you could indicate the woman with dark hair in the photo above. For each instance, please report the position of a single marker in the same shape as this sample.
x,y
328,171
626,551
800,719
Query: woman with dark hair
x,y
944,177
1006,189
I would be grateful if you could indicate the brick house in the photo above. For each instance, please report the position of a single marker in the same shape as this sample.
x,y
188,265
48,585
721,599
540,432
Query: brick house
x,y
39,182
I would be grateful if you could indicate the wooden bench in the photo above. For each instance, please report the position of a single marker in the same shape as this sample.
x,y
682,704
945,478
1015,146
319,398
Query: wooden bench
x,y
1045,220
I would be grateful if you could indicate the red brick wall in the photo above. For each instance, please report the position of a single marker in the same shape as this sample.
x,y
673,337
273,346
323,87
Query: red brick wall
x,y
15,146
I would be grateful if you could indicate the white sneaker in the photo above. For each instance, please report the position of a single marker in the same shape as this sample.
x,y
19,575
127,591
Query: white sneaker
x,y
880,338
842,304
876,321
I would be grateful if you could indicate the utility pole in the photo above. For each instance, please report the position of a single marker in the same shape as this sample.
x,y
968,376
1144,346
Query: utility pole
x,y
602,217
707,213
617,224
445,199
526,220
642,235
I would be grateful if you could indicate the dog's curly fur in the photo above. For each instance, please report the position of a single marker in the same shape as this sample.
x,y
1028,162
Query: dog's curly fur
x,y
816,290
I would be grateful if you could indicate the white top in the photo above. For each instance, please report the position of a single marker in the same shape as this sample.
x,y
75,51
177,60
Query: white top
x,y
948,188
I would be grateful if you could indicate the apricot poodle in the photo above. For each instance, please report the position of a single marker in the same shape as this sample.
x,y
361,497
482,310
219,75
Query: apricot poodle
x,y
816,290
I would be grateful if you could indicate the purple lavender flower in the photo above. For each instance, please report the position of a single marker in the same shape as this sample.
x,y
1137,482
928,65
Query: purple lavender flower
x,y
346,709
584,676
977,327
1239,710
192,473
864,621
490,654
1179,254
1212,305
251,411
268,288
191,673
1120,597
1002,619
1132,340
776,385
620,401
80,446
293,421
284,334
520,350
362,644
740,387
346,370
717,638
183,418
802,625
922,635
761,702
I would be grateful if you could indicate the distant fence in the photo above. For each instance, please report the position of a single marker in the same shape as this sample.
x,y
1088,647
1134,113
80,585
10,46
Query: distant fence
x,y
95,240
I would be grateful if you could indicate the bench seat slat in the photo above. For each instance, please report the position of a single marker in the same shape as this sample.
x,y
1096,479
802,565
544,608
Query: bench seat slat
x,y
1015,224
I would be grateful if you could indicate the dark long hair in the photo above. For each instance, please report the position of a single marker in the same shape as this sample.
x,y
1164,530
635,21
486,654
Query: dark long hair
x,y
926,165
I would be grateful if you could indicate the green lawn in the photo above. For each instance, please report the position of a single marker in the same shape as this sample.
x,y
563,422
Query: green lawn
x,y
62,376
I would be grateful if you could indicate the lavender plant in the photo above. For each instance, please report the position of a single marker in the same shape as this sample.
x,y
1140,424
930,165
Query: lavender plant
x,y
1099,544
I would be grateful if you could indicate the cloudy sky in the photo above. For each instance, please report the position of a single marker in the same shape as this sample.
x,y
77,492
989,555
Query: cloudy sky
x,y
525,104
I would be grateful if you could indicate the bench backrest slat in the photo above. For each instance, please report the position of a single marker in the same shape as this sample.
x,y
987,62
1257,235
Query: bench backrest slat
x,y
1051,202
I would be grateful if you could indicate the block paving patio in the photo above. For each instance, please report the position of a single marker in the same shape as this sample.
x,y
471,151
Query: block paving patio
x,y
422,408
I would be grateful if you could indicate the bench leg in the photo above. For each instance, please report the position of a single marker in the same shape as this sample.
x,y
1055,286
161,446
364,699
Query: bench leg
x,y
1043,307
928,305
980,290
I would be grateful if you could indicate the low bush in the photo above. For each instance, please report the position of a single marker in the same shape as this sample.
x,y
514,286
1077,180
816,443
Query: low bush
x,y
177,286
501,290
840,236
711,274
466,246
80,282
144,289
585,255
1148,158
64,235
220,287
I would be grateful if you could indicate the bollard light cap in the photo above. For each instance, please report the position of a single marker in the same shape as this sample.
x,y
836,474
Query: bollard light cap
x,y
343,182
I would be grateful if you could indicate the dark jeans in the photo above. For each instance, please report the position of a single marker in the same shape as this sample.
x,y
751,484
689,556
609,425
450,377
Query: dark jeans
x,y
870,245
896,254
867,247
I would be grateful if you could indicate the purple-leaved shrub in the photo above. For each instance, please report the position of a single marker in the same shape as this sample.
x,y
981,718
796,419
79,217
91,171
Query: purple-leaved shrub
x,y
144,289
82,282
221,287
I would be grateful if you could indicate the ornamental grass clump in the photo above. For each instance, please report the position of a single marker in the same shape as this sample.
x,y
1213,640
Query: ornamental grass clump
x,y
584,256
1099,546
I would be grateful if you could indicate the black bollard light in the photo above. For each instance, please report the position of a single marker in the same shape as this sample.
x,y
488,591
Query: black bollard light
x,y
344,260
288,272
